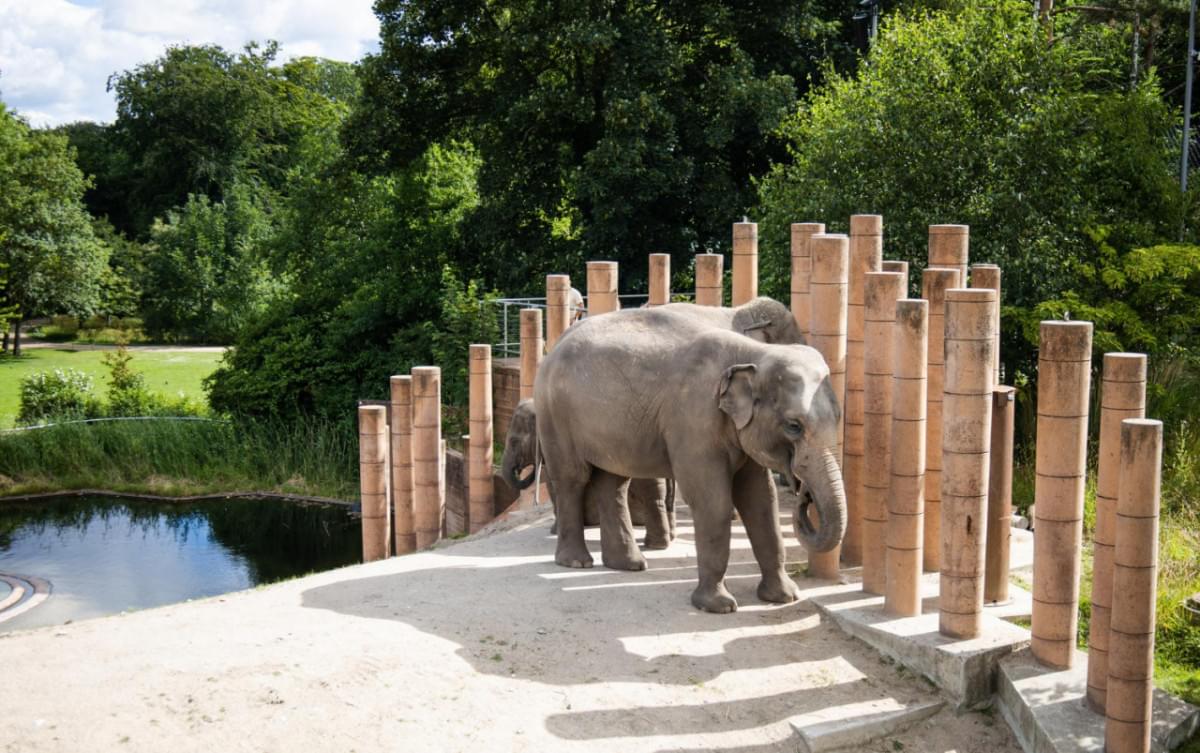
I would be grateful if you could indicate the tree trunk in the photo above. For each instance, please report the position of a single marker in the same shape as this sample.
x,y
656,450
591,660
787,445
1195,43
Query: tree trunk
x,y
4,346
1045,7
16,337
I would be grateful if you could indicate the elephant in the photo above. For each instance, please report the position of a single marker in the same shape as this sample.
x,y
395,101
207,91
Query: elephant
x,y
658,393
763,319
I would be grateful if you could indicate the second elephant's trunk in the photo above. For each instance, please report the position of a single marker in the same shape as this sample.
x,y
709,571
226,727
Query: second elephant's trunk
x,y
822,489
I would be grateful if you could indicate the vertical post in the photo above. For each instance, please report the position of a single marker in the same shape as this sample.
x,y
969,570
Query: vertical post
x,y
1064,374
1122,396
660,279
1135,572
966,451
531,348
602,287
895,265
949,247
881,292
830,280
710,279
558,308
906,502
999,515
372,480
988,276
402,465
745,262
802,233
480,490
935,281
428,481
866,254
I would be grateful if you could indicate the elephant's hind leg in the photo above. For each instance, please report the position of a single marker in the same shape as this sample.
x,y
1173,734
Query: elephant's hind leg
x,y
569,489
618,547
757,503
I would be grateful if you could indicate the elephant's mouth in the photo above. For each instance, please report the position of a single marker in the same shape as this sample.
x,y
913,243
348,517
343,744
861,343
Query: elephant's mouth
x,y
794,481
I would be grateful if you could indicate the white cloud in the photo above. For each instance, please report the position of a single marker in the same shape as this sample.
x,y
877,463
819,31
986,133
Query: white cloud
x,y
56,56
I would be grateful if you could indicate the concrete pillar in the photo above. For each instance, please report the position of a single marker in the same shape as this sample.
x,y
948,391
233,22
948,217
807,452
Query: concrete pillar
x,y
372,480
988,276
480,446
602,287
895,265
1064,373
966,450
531,348
881,291
935,281
802,233
558,308
745,262
1122,396
828,291
866,254
906,502
402,465
949,247
710,279
1135,574
660,279
999,505
428,481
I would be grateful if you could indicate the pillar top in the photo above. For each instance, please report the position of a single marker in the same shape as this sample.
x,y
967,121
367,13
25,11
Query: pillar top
x,y
558,282
602,265
1065,341
949,229
399,379
810,228
1124,367
971,295
866,224
478,351
660,256
371,418
935,281
830,259
881,290
707,256
985,266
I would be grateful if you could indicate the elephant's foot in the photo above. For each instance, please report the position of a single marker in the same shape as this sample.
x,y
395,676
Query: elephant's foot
x,y
778,589
622,557
715,599
656,542
569,555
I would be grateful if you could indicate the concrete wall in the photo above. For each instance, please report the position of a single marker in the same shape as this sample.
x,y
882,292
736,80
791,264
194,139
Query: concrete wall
x,y
506,393
456,493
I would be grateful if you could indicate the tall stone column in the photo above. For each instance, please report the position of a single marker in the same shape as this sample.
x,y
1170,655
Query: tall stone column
x,y
935,281
481,491
402,465
966,450
660,279
710,279
802,233
1064,374
428,481
1122,396
988,276
531,349
949,247
558,308
881,291
372,480
602,287
830,280
745,262
1135,575
999,515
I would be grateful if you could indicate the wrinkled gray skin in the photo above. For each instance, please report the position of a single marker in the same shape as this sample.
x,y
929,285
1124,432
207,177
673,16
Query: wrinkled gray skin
x,y
648,501
763,319
657,393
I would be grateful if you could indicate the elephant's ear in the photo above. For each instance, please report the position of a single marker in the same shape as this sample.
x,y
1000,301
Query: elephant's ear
x,y
736,393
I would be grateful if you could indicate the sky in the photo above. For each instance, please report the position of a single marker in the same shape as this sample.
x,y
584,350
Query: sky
x,y
56,55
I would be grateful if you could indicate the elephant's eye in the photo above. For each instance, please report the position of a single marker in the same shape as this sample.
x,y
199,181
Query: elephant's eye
x,y
795,428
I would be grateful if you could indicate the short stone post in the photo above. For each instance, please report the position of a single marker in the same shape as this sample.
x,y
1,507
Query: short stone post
x,y
558,308
999,503
949,247
1135,575
660,280
935,281
802,233
402,465
830,280
745,262
1122,396
906,502
531,349
428,481
895,265
602,287
372,480
1064,374
966,450
882,290
481,492
710,279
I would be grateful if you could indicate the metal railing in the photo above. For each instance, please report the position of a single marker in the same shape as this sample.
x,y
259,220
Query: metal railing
x,y
508,319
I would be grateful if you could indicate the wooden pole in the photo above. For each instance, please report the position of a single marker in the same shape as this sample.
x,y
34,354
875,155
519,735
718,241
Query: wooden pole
x,y
988,276
428,481
372,480
402,465
906,502
1135,575
745,262
481,491
949,247
660,279
531,349
935,281
1064,373
558,308
999,515
881,291
710,279
802,233
830,280
602,287
1122,396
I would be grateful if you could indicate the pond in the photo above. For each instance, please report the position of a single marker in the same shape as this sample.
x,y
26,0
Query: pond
x,y
104,555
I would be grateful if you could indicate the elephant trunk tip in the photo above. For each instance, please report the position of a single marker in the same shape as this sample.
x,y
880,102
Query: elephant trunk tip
x,y
827,496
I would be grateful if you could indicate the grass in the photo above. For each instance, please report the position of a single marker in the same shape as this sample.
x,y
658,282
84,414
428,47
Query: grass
x,y
168,373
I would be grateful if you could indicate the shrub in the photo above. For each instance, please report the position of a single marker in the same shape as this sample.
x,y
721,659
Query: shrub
x,y
56,395
127,393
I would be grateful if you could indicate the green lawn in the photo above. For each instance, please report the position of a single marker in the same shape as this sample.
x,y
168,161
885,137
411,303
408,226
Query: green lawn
x,y
167,373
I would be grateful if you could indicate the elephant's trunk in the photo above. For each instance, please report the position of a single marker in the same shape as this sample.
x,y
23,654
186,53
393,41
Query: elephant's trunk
x,y
823,488
512,465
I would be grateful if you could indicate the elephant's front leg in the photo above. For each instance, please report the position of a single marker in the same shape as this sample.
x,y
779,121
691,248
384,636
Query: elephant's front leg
x,y
757,503
568,491
618,547
708,496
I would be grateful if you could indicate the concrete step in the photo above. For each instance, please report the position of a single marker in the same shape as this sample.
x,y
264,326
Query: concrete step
x,y
845,727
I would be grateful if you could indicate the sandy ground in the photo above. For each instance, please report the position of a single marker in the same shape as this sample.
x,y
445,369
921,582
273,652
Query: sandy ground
x,y
482,645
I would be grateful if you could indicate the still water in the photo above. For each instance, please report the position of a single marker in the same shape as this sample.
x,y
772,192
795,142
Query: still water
x,y
105,555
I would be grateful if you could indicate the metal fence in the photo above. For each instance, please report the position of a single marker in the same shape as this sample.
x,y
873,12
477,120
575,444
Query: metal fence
x,y
508,319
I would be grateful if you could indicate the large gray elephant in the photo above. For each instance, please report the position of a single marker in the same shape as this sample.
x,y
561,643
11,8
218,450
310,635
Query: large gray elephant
x,y
650,393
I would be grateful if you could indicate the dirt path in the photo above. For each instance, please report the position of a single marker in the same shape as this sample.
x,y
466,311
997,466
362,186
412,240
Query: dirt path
x,y
483,645
45,344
